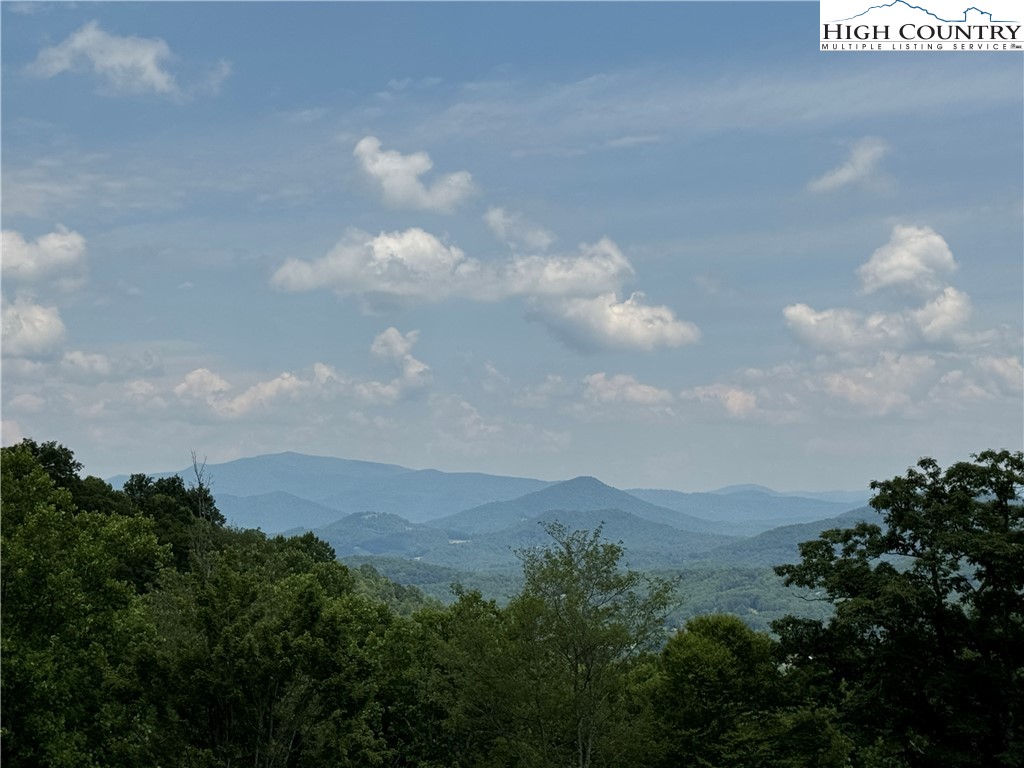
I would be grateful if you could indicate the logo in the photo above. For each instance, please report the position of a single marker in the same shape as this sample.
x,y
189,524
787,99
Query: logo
x,y
931,25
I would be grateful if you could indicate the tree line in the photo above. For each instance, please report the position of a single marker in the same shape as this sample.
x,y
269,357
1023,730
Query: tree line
x,y
139,630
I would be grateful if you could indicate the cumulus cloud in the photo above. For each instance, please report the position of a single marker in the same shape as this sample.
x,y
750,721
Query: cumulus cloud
x,y
1007,372
879,361
31,330
736,401
880,388
260,395
392,345
622,388
89,365
837,330
597,268
390,267
606,322
861,166
915,258
514,230
414,265
122,64
575,294
398,178
59,254
203,385
944,316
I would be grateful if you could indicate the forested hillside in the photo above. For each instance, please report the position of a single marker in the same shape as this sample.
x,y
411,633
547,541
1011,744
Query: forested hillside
x,y
139,630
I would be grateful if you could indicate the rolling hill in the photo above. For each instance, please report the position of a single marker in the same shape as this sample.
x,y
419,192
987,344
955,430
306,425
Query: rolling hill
x,y
746,511
578,494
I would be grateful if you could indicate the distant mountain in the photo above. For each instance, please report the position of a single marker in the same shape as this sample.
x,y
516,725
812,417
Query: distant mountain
x,y
578,495
308,477
647,543
350,486
380,533
429,494
747,511
781,545
845,497
274,512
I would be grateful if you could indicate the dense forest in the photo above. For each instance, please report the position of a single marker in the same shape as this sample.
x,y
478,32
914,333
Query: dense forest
x,y
139,630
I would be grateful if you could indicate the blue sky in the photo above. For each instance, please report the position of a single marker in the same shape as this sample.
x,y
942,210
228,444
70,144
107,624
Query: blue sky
x,y
666,244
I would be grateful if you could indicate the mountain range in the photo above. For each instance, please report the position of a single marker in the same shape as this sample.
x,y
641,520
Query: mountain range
x,y
475,522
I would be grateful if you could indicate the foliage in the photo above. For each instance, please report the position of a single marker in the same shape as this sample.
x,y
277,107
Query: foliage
x,y
544,681
925,651
72,621
724,700
138,630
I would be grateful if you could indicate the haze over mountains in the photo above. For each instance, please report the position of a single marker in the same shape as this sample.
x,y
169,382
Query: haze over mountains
x,y
476,521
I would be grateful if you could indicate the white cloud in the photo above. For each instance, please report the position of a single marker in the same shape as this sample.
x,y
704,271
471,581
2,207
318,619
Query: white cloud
x,y
214,78
575,295
416,265
393,266
392,345
123,64
460,425
598,268
60,253
205,385
129,64
622,388
260,395
398,177
915,258
837,330
539,396
606,322
943,316
31,330
737,402
86,365
880,388
514,230
859,167
1007,372
201,383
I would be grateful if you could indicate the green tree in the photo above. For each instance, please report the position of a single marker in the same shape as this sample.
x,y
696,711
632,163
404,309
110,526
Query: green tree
x,y
266,657
925,653
72,624
565,652
724,700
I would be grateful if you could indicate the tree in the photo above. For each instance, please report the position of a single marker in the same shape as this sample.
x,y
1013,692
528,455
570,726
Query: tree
x,y
72,624
579,627
925,653
723,700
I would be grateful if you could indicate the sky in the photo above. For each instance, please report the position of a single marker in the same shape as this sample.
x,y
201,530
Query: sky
x,y
668,245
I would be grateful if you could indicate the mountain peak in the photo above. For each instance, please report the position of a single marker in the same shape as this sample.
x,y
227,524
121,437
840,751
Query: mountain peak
x,y
583,481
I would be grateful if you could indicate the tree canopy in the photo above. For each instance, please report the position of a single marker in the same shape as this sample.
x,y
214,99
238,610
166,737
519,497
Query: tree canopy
x,y
138,629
